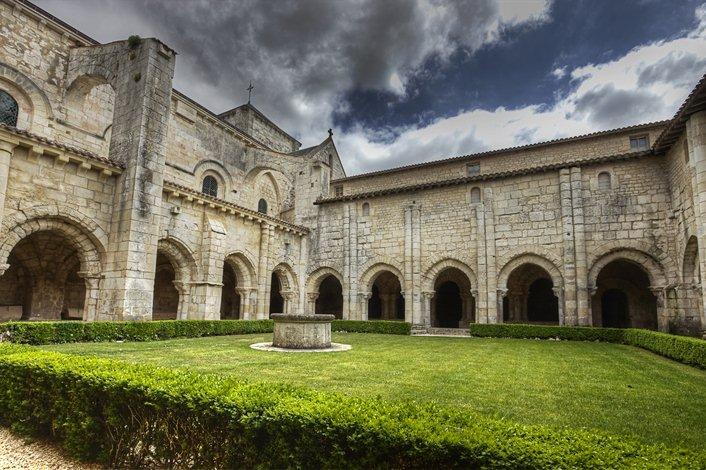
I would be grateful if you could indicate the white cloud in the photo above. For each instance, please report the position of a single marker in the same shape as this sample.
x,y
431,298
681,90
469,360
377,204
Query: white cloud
x,y
559,72
646,84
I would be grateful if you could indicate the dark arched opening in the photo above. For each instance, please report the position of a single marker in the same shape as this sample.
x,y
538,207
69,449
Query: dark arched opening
x,y
165,301
330,299
530,296
276,299
623,298
386,301
42,282
449,305
230,300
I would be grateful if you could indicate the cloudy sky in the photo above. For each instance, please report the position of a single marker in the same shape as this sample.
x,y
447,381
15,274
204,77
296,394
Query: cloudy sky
x,y
404,81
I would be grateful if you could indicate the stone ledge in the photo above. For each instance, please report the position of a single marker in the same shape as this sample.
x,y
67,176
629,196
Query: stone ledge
x,y
335,347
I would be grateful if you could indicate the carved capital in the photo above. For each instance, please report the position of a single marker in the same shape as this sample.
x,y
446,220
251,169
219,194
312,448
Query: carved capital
x,y
312,296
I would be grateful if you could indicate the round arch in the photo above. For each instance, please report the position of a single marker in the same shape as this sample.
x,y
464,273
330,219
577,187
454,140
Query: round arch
x,y
371,273
690,271
530,258
433,272
181,258
244,268
36,96
652,266
318,275
216,169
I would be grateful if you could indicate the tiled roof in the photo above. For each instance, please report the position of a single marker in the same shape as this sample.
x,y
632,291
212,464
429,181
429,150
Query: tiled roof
x,y
696,101
562,140
483,177
68,148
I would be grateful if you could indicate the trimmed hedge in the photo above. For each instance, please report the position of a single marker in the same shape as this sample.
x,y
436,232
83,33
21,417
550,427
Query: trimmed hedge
x,y
372,326
76,331
684,349
52,332
131,415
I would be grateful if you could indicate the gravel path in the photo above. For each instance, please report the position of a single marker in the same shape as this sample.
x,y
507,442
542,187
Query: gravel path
x,y
17,453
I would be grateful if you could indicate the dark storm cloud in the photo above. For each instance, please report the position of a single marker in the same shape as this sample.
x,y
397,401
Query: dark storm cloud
x,y
301,55
678,69
610,107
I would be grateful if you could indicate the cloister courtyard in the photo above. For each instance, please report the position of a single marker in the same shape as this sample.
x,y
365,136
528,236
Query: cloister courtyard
x,y
617,389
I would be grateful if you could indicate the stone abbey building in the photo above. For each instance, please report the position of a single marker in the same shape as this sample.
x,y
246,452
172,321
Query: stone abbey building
x,y
123,199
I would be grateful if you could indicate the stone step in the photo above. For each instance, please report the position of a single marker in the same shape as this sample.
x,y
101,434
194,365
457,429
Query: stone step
x,y
435,331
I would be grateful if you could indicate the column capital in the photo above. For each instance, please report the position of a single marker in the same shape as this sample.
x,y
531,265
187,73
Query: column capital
x,y
364,295
312,296
428,294
3,268
502,293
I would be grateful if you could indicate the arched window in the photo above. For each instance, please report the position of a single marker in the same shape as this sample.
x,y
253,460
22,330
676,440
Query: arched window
x,y
210,186
475,195
8,109
604,180
262,206
366,209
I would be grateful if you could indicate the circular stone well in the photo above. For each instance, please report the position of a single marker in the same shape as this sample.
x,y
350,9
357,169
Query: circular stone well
x,y
300,333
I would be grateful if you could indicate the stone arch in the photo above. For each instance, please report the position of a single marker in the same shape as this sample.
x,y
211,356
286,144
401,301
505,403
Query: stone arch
x,y
75,256
530,258
324,290
181,258
371,272
650,264
96,121
40,104
239,286
541,251
283,289
433,272
90,250
641,279
265,185
217,170
243,267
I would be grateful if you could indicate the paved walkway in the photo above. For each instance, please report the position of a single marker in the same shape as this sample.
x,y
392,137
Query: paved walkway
x,y
17,453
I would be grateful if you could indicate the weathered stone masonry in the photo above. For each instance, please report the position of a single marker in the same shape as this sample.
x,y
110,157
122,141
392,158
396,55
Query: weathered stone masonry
x,y
121,198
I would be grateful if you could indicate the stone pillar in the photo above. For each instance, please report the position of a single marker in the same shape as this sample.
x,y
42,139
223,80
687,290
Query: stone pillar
x,y
569,261
212,254
141,76
583,317
246,301
311,301
696,137
363,298
263,273
501,294
288,298
90,304
466,301
559,294
6,149
660,294
184,289
428,298
482,275
350,262
491,266
408,282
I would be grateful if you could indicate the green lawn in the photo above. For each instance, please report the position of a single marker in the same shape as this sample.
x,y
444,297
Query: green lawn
x,y
616,388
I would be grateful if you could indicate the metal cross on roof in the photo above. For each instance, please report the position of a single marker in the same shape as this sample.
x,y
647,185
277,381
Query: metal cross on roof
x,y
250,89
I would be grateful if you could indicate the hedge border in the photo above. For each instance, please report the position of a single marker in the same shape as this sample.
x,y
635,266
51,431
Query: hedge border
x,y
132,415
685,349
51,332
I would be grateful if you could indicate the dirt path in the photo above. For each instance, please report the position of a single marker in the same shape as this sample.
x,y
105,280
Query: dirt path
x,y
17,453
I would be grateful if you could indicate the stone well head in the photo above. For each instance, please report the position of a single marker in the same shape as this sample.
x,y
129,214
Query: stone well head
x,y
302,331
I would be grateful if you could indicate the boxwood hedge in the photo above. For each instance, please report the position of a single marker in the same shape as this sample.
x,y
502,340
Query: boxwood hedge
x,y
132,415
50,332
680,348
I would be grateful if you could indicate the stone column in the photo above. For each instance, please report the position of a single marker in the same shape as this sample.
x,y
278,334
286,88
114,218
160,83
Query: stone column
x,y
696,137
90,304
590,292
582,300
245,294
288,298
559,294
482,304
183,308
263,273
502,293
350,262
311,301
363,298
491,266
6,149
428,298
407,283
660,294
569,261
465,310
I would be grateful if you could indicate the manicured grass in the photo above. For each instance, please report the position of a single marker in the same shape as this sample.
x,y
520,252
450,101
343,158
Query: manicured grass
x,y
615,388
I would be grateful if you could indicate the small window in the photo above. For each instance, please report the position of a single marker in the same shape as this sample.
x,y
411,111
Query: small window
x,y
366,209
639,142
330,160
210,186
604,180
338,191
473,169
262,206
8,109
475,195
